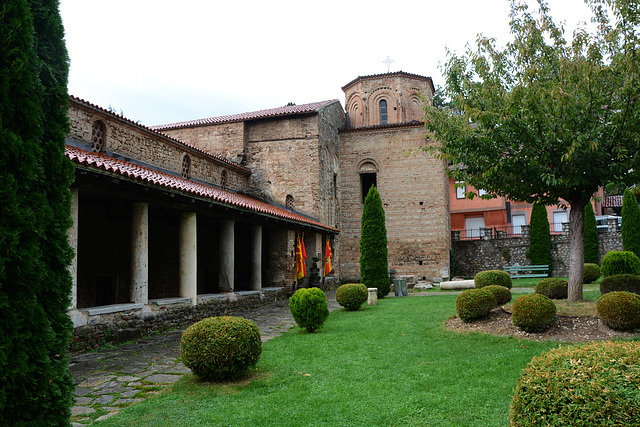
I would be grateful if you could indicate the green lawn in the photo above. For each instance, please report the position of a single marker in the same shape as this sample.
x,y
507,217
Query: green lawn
x,y
391,364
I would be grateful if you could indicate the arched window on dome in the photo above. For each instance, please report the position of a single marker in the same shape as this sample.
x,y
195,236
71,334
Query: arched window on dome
x,y
289,201
383,112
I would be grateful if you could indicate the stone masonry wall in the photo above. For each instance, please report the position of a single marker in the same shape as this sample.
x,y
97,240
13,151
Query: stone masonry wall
x,y
283,156
226,140
136,143
472,256
414,191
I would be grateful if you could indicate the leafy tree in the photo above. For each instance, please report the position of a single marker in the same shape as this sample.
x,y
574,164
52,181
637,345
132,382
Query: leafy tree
x,y
630,223
35,383
591,244
540,236
374,266
551,120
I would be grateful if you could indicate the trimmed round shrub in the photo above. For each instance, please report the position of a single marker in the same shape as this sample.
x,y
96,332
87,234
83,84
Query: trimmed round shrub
x,y
501,294
221,348
352,295
620,283
552,288
585,385
309,308
474,304
620,262
591,273
492,277
533,313
619,310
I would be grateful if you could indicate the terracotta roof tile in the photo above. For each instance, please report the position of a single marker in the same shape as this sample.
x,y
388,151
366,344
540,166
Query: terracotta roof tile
x,y
160,134
164,180
261,114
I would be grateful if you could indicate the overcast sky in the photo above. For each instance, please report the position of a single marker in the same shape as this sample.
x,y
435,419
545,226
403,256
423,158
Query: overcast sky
x,y
165,61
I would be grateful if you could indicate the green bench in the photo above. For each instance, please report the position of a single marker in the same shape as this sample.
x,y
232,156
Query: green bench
x,y
523,271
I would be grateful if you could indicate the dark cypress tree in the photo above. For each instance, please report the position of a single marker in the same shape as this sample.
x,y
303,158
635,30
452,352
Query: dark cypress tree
x,y
540,236
591,245
35,384
374,267
630,223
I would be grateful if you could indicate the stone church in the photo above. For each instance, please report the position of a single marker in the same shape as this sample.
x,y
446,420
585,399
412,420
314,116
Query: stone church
x,y
175,222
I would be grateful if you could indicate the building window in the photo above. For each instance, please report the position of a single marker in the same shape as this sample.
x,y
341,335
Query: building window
x,y
367,180
223,180
517,221
558,219
98,137
383,112
186,166
460,189
289,201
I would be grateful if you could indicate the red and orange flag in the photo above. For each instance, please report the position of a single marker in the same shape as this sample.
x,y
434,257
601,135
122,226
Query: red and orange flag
x,y
301,256
327,259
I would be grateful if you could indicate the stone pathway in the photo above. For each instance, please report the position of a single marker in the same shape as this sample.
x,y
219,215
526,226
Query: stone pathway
x,y
111,379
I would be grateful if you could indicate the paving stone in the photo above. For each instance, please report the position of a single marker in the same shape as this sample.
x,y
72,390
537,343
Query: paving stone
x,y
80,401
127,379
79,410
104,399
82,391
96,381
163,378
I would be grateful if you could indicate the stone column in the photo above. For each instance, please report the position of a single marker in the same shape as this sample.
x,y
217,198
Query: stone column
x,y
256,259
188,257
227,256
140,253
72,235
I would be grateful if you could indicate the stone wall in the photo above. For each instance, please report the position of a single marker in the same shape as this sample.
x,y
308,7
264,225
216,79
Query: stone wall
x,y
414,191
113,324
225,139
135,143
472,256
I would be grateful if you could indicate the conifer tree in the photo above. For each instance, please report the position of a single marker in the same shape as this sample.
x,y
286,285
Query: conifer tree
x,y
374,267
591,245
540,236
630,223
35,384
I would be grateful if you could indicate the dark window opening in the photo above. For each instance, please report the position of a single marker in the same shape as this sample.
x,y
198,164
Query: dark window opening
x,y
289,201
335,185
383,112
367,180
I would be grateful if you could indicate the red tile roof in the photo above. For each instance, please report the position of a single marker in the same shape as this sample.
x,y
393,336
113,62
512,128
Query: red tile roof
x,y
101,161
273,112
79,101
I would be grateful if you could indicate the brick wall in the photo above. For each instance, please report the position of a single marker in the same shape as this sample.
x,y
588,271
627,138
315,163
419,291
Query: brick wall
x,y
414,192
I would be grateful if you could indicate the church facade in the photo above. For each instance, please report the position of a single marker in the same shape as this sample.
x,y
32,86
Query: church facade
x,y
190,216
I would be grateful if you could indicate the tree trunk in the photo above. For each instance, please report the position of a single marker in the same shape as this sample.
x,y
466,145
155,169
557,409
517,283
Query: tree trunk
x,y
576,250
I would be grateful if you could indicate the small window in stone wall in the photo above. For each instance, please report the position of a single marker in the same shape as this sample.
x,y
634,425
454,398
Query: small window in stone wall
x,y
98,137
186,166
223,180
289,201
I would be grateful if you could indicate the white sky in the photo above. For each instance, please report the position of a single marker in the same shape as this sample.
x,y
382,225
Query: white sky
x,y
164,61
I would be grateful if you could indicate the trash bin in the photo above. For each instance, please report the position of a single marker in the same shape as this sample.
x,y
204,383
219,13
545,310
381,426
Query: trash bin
x,y
400,287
